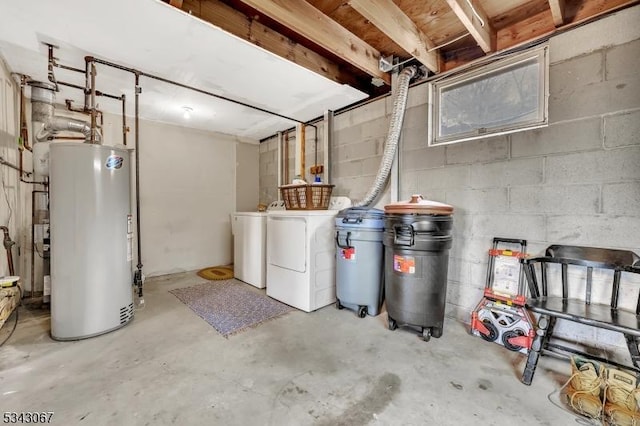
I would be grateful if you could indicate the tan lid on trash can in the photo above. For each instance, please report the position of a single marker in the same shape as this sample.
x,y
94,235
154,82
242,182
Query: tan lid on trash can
x,y
418,205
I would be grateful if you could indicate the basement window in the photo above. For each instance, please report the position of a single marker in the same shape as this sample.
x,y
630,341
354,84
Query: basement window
x,y
506,96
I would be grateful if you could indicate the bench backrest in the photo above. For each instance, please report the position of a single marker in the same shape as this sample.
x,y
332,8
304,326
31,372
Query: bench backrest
x,y
589,257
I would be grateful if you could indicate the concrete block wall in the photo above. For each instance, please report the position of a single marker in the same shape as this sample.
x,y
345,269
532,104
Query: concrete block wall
x,y
576,181
269,161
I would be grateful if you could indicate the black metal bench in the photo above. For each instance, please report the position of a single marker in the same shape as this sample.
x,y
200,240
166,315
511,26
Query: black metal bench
x,y
579,309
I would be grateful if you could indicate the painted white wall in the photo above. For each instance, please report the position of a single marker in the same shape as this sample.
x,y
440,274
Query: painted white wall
x,y
187,193
247,176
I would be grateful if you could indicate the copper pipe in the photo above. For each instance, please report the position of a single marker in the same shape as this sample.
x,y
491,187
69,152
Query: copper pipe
x,y
70,107
24,129
69,104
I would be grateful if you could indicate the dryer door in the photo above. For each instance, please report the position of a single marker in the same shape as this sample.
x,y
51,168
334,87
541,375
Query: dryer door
x,y
287,242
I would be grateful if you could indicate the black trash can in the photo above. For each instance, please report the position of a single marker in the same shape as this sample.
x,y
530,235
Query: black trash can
x,y
417,240
359,260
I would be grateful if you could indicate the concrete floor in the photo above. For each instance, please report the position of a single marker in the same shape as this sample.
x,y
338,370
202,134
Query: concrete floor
x,y
325,368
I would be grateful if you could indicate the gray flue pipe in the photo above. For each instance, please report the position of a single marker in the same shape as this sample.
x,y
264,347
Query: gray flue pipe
x,y
393,136
46,124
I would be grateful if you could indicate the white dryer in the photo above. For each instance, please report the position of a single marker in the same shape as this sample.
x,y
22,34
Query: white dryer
x,y
249,231
301,255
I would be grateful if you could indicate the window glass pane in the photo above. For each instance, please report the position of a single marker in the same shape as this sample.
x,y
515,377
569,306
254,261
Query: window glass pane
x,y
494,100
507,95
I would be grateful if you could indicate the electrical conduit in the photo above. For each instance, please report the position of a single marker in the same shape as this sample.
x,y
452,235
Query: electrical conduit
x,y
393,136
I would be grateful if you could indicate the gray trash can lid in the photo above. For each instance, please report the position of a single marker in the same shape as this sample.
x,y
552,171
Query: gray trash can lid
x,y
418,205
360,217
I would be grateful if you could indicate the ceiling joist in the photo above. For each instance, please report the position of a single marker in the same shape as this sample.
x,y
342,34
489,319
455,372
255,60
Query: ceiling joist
x,y
541,25
236,23
392,21
176,3
306,20
476,22
557,11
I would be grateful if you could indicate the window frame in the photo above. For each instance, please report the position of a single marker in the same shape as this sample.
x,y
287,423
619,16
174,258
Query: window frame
x,y
436,88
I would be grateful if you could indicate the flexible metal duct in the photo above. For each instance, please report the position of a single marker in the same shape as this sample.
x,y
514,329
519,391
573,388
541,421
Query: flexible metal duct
x,y
397,117
45,124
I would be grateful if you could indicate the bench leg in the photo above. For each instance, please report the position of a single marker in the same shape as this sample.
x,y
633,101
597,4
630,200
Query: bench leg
x,y
544,328
632,344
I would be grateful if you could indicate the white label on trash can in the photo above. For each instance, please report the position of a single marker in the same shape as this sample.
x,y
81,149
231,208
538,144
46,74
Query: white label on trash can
x,y
348,253
404,264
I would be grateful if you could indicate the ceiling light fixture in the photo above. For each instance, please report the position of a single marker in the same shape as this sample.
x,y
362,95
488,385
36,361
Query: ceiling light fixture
x,y
187,112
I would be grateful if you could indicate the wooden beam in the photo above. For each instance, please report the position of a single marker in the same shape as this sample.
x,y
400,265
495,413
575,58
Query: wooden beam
x,y
473,17
176,3
238,24
392,21
541,25
306,20
557,11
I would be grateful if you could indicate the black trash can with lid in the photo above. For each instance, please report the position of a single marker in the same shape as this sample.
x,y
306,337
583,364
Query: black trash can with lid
x,y
359,260
417,240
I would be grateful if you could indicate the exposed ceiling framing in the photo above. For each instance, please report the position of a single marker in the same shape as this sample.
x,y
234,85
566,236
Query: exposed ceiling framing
x,y
304,19
343,40
238,24
392,21
476,21
557,11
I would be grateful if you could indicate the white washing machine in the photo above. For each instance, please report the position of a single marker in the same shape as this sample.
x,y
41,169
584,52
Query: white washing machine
x,y
301,255
249,231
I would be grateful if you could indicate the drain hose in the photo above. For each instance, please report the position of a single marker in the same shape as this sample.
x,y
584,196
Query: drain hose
x,y
397,117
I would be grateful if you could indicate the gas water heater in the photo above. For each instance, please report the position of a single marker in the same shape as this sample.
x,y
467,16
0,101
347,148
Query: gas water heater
x,y
91,239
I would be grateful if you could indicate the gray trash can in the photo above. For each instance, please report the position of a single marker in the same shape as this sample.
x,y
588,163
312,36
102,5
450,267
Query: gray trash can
x,y
417,240
359,260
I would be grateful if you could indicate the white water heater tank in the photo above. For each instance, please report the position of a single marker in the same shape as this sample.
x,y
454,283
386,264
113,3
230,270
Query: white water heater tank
x,y
91,240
